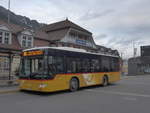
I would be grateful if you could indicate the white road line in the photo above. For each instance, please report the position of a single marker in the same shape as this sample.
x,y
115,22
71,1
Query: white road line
x,y
130,98
138,83
119,93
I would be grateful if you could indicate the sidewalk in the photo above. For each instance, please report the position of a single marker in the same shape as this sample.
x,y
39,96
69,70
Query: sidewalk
x,y
8,89
4,83
8,86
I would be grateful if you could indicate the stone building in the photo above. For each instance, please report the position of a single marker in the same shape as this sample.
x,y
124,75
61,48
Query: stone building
x,y
140,65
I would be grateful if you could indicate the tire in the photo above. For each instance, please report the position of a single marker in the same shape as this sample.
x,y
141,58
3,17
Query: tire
x,y
105,81
74,84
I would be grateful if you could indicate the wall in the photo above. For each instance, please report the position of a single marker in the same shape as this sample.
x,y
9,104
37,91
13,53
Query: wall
x,y
139,66
38,43
15,64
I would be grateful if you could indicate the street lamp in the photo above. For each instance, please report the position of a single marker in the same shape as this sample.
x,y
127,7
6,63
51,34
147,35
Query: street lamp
x,y
8,11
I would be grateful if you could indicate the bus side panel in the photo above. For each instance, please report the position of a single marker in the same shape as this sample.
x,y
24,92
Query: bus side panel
x,y
62,81
58,83
114,77
88,79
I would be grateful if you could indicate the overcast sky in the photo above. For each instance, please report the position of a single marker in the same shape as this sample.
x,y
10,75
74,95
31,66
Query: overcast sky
x,y
114,23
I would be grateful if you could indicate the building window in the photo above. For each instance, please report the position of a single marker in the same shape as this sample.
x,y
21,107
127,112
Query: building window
x,y
5,37
24,41
4,65
27,41
55,64
1,37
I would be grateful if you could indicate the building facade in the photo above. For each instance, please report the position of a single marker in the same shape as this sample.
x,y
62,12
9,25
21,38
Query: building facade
x,y
14,38
140,65
66,33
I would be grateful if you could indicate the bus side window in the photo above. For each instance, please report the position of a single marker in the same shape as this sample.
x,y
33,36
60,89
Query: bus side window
x,y
105,64
86,65
51,67
79,68
95,67
56,63
114,64
100,65
116,61
50,59
71,65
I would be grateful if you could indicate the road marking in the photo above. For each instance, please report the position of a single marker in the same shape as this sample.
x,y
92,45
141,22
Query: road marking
x,y
120,93
130,98
135,83
134,77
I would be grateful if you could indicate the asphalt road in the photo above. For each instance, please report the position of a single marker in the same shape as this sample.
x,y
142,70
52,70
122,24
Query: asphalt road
x,y
130,95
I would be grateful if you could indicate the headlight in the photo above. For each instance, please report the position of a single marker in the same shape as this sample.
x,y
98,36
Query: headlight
x,y
42,85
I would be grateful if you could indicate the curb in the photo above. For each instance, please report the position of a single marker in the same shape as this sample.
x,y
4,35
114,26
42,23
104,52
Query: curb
x,y
9,91
8,85
128,77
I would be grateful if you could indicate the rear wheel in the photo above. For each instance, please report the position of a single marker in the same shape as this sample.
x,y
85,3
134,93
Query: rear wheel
x,y
74,84
105,81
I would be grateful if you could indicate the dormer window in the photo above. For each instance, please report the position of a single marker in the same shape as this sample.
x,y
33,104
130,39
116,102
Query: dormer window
x,y
27,41
24,41
5,37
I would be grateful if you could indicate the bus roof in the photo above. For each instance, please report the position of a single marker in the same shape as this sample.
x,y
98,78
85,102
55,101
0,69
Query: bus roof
x,y
68,49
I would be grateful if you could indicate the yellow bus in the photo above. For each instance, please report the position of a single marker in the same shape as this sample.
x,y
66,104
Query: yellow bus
x,y
49,69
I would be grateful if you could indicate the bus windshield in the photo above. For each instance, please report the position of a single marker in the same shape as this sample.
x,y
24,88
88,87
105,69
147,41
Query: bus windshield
x,y
34,67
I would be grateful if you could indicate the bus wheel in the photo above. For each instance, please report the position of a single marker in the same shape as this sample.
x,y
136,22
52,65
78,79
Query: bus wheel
x,y
74,84
105,81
